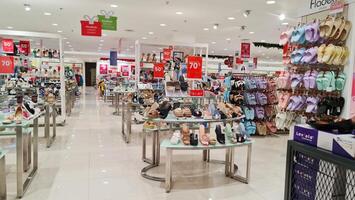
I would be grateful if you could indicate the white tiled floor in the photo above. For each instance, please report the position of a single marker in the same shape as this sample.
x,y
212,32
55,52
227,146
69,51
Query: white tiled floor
x,y
90,161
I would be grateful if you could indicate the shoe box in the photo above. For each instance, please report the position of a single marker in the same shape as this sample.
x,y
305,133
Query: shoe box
x,y
340,144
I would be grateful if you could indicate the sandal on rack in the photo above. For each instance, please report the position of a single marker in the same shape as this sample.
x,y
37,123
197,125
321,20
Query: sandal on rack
x,y
185,131
178,112
204,139
175,139
187,112
220,136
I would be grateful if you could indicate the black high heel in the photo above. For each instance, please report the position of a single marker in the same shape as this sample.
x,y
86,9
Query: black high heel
x,y
220,136
193,139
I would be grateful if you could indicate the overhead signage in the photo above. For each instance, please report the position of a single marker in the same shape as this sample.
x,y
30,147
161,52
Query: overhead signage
x,y
108,21
194,67
158,70
167,54
314,6
7,45
91,27
7,65
245,50
113,58
25,48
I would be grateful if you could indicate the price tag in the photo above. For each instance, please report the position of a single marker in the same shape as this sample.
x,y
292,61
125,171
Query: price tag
x,y
194,67
7,65
158,70
7,45
196,93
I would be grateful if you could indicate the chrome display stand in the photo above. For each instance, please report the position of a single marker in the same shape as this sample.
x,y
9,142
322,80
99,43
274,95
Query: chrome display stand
x,y
50,110
155,161
3,193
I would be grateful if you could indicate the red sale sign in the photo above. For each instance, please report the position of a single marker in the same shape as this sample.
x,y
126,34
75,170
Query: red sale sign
x,y
194,67
158,70
25,48
103,68
196,93
8,45
245,50
167,54
91,29
7,65
125,70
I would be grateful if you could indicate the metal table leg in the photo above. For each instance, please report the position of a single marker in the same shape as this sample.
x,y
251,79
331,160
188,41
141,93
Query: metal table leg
x,y
3,193
47,126
247,174
19,161
168,170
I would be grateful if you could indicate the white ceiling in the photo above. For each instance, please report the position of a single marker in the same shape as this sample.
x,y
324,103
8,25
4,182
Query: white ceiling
x,y
144,16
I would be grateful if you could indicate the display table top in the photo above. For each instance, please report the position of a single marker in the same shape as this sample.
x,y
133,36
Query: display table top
x,y
172,119
166,144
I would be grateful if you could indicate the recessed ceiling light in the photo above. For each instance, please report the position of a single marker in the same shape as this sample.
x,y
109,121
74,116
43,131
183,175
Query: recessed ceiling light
x,y
270,2
10,27
54,24
144,38
226,49
27,7
231,18
60,31
246,13
251,32
206,29
215,26
282,17
162,24
113,6
213,42
179,13
262,40
65,38
228,39
285,23
212,51
47,13
151,33
68,42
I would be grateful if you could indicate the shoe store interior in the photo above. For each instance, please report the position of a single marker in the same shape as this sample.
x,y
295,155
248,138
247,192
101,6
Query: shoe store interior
x,y
177,100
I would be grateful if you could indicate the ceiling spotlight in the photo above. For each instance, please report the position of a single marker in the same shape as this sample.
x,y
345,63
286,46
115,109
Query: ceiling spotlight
x,y
179,13
151,33
113,6
206,29
251,32
65,38
246,13
226,49
60,31
54,24
282,17
10,27
215,26
68,42
270,2
47,13
228,39
27,7
144,38
262,41
285,23
231,18
212,51
162,25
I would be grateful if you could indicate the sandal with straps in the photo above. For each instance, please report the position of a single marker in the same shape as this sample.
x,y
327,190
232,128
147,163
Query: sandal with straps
x,y
204,139
185,131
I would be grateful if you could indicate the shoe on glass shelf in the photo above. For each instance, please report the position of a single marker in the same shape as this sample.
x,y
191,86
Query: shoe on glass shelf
x,y
220,136
185,131
228,131
175,139
193,139
204,138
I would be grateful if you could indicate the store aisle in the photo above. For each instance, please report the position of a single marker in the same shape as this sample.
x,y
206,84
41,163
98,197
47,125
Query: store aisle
x,y
90,161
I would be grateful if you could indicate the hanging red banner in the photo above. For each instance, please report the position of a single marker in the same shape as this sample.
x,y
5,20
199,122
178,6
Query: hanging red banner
x,y
7,45
7,65
167,54
103,68
245,50
125,70
91,29
194,67
25,48
158,70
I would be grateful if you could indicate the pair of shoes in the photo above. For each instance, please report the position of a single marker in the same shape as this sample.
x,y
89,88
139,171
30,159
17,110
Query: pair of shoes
x,y
335,29
333,55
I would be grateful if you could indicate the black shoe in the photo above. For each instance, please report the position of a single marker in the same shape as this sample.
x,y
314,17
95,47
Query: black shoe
x,y
220,136
193,139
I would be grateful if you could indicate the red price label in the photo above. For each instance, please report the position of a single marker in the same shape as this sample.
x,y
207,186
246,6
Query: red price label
x,y
196,93
8,45
25,47
158,70
167,54
194,67
7,65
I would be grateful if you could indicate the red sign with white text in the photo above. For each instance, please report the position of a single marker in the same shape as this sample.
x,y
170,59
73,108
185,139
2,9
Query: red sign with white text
x,y
7,45
194,67
94,29
245,50
7,65
196,93
158,70
25,48
167,54
125,70
103,68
